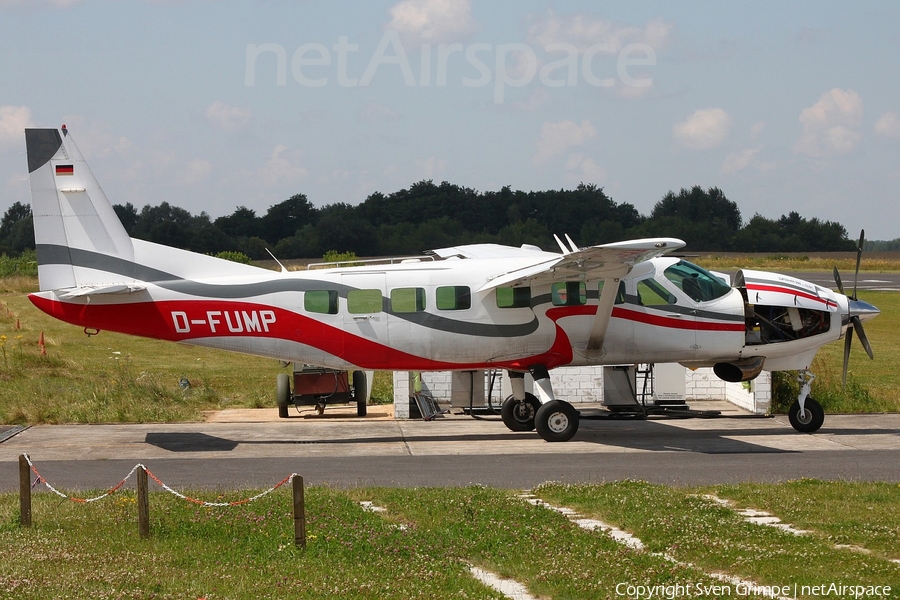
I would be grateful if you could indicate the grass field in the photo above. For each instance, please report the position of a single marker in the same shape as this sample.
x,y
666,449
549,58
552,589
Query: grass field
x,y
117,378
423,543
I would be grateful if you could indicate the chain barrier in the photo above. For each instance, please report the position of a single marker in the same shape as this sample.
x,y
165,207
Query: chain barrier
x,y
40,479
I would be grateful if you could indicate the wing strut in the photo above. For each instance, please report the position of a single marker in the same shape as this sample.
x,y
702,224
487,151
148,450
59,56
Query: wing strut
x,y
604,313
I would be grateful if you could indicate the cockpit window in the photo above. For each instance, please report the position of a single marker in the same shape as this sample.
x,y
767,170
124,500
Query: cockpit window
x,y
698,283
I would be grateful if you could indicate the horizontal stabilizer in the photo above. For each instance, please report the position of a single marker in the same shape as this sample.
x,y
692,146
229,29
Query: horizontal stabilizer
x,y
96,290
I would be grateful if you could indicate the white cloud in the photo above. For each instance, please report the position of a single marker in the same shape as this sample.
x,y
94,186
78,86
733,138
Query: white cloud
x,y
431,167
283,165
830,126
738,162
13,121
581,169
556,138
195,171
706,128
95,139
438,20
888,125
584,31
229,118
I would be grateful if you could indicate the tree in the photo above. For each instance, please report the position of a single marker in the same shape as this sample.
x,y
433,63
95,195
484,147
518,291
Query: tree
x,y
241,223
706,220
16,229
285,219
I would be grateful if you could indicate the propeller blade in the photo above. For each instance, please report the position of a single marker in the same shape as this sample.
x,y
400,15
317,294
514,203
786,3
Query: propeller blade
x,y
847,343
859,248
858,326
837,280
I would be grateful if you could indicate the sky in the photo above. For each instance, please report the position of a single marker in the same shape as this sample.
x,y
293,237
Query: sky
x,y
210,105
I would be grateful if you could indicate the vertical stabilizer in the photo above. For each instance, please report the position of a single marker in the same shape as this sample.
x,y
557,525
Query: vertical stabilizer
x,y
76,230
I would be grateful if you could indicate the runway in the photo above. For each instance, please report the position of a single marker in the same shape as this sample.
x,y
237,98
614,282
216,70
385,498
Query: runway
x,y
456,451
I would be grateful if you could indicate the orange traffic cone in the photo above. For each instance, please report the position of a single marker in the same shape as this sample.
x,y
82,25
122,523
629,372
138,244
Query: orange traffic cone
x,y
41,345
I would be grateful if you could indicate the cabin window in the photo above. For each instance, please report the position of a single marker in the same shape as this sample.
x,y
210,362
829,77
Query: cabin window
x,y
453,297
406,300
568,293
620,293
364,301
321,301
513,297
698,283
652,293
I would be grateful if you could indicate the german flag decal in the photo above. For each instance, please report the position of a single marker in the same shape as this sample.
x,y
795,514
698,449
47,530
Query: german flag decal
x,y
65,170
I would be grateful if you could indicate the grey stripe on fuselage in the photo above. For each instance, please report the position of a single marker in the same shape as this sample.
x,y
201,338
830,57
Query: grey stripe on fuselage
x,y
55,254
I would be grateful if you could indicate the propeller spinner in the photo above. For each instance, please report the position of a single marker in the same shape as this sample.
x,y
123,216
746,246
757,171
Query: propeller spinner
x,y
858,311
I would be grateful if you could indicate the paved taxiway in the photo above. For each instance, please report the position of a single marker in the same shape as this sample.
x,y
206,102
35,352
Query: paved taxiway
x,y
455,450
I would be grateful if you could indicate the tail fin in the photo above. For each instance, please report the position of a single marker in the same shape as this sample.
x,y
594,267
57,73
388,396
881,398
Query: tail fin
x,y
76,230
82,247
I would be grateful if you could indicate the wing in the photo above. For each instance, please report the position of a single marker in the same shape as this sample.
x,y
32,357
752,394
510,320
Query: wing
x,y
609,262
595,262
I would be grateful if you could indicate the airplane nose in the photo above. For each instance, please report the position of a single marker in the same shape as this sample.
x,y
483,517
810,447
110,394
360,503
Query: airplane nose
x,y
863,310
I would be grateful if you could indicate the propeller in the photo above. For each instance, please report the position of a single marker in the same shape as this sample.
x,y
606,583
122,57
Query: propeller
x,y
858,311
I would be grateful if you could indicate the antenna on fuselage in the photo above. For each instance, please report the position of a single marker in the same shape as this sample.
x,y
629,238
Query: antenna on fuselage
x,y
561,245
283,268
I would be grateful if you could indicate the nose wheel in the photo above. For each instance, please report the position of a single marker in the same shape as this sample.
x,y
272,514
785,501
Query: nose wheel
x,y
808,419
556,421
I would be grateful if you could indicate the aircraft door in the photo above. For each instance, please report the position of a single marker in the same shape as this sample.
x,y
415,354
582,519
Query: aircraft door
x,y
364,318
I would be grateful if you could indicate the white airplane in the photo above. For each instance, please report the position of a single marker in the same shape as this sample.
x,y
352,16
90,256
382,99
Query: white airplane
x,y
462,308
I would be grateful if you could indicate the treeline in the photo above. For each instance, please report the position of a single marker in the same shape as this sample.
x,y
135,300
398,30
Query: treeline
x,y
428,215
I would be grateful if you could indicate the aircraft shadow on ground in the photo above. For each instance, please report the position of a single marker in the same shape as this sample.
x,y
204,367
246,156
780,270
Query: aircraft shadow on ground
x,y
647,435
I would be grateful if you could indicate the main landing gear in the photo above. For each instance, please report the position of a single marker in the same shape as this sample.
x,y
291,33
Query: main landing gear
x,y
555,420
805,414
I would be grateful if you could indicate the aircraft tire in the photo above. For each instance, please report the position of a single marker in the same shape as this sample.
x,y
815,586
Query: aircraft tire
x,y
359,392
518,415
811,421
283,394
556,421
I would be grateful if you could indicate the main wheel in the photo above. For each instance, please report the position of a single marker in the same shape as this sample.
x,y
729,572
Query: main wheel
x,y
556,421
283,394
810,420
360,392
518,415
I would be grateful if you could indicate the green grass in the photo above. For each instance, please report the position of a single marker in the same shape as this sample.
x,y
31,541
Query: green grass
x,y
422,545
113,377
692,529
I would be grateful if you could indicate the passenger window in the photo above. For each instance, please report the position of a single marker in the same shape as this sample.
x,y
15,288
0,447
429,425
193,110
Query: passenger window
x,y
321,301
453,297
513,297
620,293
651,293
406,300
364,301
568,293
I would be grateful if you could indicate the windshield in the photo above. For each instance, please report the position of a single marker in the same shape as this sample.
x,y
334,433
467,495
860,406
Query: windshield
x,y
696,282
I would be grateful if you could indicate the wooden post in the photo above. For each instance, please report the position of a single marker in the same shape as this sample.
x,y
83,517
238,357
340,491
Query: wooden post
x,y
143,504
299,513
24,492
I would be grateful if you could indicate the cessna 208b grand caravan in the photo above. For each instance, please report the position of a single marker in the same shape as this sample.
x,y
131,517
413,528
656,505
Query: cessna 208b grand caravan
x,y
462,308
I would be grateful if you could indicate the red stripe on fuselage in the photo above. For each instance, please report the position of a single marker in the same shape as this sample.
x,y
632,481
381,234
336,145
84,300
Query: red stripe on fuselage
x,y
790,292
184,321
